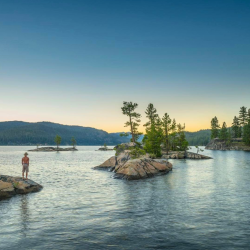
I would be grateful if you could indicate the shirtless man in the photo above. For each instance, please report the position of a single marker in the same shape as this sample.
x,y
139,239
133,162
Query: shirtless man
x,y
25,163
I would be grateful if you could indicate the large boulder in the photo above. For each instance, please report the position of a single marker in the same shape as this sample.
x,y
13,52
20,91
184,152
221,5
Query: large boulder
x,y
10,186
196,156
114,161
127,168
135,169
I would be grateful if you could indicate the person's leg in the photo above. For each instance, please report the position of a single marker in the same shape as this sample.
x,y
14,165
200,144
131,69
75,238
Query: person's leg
x,y
23,172
27,171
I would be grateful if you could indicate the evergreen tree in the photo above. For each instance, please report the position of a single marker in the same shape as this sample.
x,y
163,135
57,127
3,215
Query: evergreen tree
x,y
182,142
154,132
243,115
58,140
172,136
246,130
236,129
214,128
128,109
166,124
73,142
246,134
229,137
223,132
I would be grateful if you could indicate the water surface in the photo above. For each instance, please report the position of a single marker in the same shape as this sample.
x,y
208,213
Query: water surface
x,y
201,204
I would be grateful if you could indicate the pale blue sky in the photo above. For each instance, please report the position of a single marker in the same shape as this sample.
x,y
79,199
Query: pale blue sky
x,y
75,62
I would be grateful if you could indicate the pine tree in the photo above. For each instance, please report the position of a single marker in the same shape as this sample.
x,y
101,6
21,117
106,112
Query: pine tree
x,y
223,132
166,124
243,114
182,142
58,140
73,142
172,136
128,109
229,137
236,129
154,132
246,130
215,128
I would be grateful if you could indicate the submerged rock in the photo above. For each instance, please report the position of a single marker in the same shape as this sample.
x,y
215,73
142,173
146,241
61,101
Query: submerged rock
x,y
133,169
10,186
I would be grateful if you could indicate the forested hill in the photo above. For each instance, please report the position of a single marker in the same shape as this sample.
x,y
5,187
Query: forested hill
x,y
25,133
199,138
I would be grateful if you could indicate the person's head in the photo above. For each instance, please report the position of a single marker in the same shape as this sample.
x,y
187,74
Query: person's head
x,y
25,154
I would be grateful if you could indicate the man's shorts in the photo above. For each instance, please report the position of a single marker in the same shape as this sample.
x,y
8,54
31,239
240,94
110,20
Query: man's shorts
x,y
25,168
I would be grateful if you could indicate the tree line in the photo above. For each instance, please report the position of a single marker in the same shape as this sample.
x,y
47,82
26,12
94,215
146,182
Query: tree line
x,y
240,127
161,132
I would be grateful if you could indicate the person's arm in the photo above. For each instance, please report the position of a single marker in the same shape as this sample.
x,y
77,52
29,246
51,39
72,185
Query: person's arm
x,y
28,161
22,161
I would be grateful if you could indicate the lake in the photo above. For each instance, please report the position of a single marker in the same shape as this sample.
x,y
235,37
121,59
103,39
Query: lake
x,y
201,204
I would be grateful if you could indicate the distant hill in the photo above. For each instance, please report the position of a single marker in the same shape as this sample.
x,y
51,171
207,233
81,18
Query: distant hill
x,y
25,133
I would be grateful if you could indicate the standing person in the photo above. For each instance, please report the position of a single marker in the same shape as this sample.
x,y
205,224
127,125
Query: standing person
x,y
25,163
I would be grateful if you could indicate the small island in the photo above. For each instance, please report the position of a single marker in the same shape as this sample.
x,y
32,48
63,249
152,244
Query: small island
x,y
52,149
10,186
164,139
57,140
105,148
126,165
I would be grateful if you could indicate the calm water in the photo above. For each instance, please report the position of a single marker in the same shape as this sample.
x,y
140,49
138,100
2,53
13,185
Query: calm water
x,y
200,205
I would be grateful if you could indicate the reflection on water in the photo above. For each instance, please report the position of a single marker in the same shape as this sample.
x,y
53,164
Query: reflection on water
x,y
200,205
24,210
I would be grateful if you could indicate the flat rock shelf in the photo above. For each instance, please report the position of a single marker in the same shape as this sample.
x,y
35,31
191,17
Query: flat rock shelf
x,y
10,186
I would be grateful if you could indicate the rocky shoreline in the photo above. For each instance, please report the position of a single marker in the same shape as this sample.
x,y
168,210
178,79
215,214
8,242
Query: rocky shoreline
x,y
10,186
235,144
183,155
52,149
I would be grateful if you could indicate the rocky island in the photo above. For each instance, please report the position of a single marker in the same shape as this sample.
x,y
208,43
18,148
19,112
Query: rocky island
x,y
10,186
233,144
52,149
126,167
105,149
185,155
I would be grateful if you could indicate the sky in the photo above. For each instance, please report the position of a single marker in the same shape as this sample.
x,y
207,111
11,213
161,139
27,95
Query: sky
x,y
75,62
